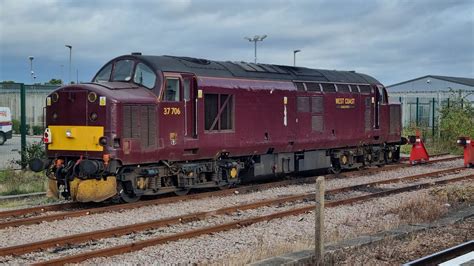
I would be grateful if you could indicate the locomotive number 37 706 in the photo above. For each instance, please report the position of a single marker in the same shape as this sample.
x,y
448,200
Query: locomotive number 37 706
x,y
171,111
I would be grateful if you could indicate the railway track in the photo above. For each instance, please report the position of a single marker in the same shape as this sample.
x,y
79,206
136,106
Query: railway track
x,y
122,230
69,210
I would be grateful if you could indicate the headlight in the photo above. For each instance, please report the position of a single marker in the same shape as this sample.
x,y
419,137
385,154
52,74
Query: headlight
x,y
92,97
55,97
93,117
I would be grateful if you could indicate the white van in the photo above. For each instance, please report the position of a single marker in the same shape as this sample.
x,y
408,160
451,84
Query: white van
x,y
5,124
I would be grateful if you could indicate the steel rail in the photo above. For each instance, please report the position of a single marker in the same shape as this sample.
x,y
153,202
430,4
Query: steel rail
x,y
121,230
431,156
391,167
138,245
444,255
96,210
39,209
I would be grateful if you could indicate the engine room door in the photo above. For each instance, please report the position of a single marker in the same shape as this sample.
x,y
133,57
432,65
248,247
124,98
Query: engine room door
x,y
189,99
377,108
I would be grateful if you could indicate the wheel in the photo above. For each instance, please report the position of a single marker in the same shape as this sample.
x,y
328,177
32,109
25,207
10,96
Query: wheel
x,y
225,186
387,157
335,170
3,138
182,192
335,166
126,197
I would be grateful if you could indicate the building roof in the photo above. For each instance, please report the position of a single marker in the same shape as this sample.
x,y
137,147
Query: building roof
x,y
227,69
459,80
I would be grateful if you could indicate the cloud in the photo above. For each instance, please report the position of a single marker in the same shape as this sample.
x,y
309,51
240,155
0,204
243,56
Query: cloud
x,y
391,40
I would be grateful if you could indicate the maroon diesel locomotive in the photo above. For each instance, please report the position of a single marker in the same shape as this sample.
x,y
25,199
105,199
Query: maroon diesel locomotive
x,y
148,125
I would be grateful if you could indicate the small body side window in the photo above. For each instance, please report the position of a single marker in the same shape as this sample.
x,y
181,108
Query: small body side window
x,y
171,93
385,95
328,87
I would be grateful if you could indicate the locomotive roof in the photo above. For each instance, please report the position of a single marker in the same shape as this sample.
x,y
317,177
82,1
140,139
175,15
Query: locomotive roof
x,y
227,69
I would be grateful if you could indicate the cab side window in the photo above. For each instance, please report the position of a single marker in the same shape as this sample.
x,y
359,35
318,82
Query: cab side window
x,y
144,76
171,93
385,95
104,74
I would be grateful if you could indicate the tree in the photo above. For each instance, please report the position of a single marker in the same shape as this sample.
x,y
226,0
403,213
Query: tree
x,y
8,81
55,82
457,120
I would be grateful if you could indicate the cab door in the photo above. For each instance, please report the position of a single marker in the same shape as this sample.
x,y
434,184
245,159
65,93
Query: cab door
x,y
189,106
172,111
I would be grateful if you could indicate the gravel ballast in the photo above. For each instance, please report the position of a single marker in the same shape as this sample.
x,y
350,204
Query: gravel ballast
x,y
46,230
343,222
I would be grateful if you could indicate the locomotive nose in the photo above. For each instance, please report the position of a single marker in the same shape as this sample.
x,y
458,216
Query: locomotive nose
x,y
76,119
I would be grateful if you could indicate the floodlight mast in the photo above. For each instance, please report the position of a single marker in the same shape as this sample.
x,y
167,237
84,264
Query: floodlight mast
x,y
294,56
70,59
256,39
32,73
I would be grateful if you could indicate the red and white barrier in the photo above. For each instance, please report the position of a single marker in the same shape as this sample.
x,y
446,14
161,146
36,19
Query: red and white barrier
x,y
468,145
418,152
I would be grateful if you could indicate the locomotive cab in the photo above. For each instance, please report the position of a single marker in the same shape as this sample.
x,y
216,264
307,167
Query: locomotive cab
x,y
84,136
128,115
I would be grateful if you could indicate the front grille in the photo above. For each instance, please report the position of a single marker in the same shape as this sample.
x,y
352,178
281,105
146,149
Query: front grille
x,y
139,122
317,123
367,116
395,113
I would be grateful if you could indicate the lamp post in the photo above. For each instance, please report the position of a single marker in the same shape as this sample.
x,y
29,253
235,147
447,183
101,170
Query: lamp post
x,y
32,73
70,58
294,56
256,39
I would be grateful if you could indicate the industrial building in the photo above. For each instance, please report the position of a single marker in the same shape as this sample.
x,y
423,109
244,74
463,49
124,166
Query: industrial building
x,y
35,101
422,97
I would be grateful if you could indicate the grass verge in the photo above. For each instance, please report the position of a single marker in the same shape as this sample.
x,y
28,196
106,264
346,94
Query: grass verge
x,y
431,206
14,182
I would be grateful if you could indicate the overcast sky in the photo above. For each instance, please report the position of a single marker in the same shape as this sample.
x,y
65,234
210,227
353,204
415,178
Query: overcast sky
x,y
390,40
